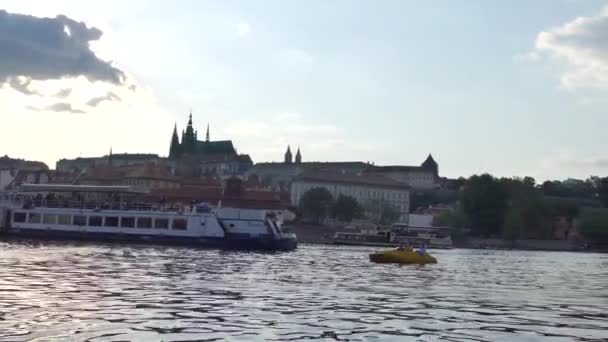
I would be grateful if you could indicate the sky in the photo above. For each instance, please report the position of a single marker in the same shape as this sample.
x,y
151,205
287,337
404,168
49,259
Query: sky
x,y
513,88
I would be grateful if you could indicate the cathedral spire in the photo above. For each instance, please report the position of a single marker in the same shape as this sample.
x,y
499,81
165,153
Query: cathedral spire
x,y
207,138
174,147
190,119
288,156
189,138
298,156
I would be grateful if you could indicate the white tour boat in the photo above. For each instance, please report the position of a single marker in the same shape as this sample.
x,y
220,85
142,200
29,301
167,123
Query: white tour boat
x,y
197,225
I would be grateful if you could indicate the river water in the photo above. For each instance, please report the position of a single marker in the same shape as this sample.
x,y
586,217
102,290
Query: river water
x,y
56,292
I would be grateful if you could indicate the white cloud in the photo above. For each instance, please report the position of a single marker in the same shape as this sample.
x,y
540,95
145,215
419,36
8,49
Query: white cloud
x,y
583,45
243,29
53,135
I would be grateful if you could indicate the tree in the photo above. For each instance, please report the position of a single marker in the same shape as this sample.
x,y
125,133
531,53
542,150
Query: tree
x,y
316,204
450,218
573,188
564,207
454,219
595,225
381,212
421,200
602,191
528,215
346,208
484,202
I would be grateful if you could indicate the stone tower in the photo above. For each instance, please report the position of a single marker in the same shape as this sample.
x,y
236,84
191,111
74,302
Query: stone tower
x,y
288,156
298,156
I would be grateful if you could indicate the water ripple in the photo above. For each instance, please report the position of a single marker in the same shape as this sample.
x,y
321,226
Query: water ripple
x,y
124,293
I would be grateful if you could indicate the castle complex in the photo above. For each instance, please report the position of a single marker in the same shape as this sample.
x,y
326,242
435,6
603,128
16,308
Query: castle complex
x,y
191,146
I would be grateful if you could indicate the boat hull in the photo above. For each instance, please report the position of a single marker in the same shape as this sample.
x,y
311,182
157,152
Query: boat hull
x,y
234,243
402,257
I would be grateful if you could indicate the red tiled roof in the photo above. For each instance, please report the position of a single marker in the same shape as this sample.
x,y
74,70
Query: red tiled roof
x,y
249,198
200,182
396,168
346,178
106,172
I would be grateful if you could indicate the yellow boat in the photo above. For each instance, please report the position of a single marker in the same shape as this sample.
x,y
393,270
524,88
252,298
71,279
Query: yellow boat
x,y
402,256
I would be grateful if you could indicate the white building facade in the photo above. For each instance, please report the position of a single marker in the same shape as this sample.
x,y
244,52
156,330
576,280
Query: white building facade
x,y
364,188
6,177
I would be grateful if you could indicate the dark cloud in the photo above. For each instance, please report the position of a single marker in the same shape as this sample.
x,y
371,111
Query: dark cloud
x,y
63,93
63,107
50,48
22,85
97,100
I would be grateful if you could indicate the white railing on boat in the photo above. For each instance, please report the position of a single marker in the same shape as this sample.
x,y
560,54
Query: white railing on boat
x,y
92,205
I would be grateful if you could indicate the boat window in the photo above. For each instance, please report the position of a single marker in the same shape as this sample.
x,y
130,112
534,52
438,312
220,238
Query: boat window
x,y
34,218
95,221
127,222
161,223
64,219
80,220
180,224
19,217
111,221
49,219
144,222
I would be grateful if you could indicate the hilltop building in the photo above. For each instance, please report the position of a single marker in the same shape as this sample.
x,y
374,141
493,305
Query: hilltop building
x,y
7,162
191,146
81,165
189,156
16,171
280,175
423,177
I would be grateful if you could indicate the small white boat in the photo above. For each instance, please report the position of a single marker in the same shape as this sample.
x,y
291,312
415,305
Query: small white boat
x,y
432,237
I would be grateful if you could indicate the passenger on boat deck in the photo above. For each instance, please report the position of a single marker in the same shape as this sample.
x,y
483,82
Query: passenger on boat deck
x,y
422,250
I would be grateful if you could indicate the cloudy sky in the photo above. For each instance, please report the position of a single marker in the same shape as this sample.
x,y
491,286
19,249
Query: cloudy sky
x,y
508,87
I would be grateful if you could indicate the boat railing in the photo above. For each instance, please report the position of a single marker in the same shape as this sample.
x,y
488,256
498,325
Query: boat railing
x,y
26,203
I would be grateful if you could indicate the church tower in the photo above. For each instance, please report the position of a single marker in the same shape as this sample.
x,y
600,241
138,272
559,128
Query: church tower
x,y
431,165
110,157
174,148
288,156
189,138
298,156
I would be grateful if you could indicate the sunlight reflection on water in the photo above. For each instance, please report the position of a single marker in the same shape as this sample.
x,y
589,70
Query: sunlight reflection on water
x,y
55,291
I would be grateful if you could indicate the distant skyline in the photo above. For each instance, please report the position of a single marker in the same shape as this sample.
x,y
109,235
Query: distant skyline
x,y
514,88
